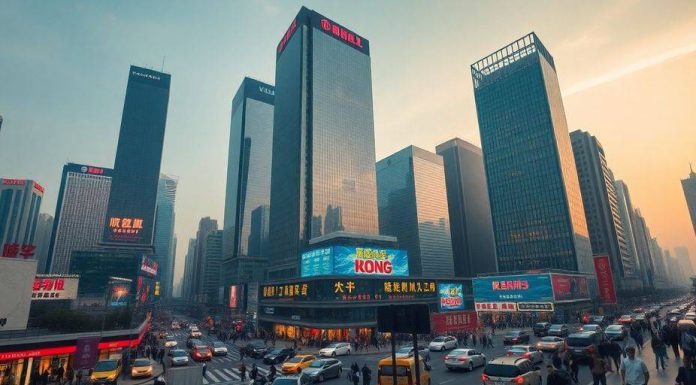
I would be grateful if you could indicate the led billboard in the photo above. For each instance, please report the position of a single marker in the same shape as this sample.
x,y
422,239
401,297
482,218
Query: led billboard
x,y
350,260
451,296
513,288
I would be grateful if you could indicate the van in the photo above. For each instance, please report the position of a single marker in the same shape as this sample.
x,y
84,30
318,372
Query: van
x,y
405,371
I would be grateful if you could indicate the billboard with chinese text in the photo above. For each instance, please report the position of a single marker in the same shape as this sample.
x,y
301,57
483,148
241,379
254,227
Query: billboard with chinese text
x,y
570,287
350,260
54,287
450,322
605,279
513,288
451,296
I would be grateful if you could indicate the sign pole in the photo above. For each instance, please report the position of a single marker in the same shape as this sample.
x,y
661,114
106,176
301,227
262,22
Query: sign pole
x,y
415,354
393,347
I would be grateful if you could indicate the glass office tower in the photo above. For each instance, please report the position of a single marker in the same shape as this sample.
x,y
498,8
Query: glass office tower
x,y
164,243
689,186
536,206
130,216
323,172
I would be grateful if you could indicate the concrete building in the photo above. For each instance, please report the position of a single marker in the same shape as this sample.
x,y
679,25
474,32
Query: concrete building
x,y
20,202
187,278
681,253
641,233
211,285
626,212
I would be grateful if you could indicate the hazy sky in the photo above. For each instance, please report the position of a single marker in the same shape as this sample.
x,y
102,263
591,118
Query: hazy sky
x,y
627,70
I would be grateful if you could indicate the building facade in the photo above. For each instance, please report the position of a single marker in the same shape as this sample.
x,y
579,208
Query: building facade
x,y
130,218
187,278
681,253
42,240
248,193
536,204
80,213
164,242
625,207
205,226
211,270
412,201
20,202
323,171
641,233
689,186
473,246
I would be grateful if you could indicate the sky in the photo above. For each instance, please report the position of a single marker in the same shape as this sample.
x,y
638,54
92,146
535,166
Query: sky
x,y
627,71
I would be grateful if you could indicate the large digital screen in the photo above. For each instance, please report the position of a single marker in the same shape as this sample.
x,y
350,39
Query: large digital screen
x,y
570,287
451,296
513,288
350,260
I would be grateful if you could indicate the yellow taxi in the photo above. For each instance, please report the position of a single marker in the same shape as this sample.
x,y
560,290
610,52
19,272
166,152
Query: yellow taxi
x,y
296,364
106,372
405,371
141,367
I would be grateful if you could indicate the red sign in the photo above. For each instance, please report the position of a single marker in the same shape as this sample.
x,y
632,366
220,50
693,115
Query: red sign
x,y
496,306
569,287
13,250
38,187
94,170
125,225
605,279
454,321
14,182
373,266
6,356
341,33
234,296
519,284
148,266
287,36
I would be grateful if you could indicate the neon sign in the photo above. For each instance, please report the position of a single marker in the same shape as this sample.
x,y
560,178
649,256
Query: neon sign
x,y
287,36
125,225
13,182
341,33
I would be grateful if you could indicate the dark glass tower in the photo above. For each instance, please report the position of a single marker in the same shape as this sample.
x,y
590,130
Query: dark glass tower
x,y
536,206
130,216
323,173
689,186
248,195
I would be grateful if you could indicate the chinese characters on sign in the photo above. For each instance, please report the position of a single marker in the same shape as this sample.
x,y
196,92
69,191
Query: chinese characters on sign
x,y
535,306
14,250
148,266
519,284
125,225
342,33
605,280
496,306
289,291
408,289
454,321
54,288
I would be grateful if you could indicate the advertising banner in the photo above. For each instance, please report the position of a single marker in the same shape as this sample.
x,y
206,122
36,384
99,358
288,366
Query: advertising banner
x,y
495,306
252,294
605,280
87,352
535,306
16,279
453,321
119,292
349,260
451,296
513,288
149,266
235,296
570,287
54,287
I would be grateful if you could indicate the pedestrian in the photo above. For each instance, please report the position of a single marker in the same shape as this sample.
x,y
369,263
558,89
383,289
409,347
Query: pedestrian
x,y
603,350
599,368
556,359
242,371
254,372
637,335
687,373
687,341
355,377
473,339
78,377
673,332
367,374
556,376
241,354
574,367
660,350
615,353
70,375
205,368
271,373
633,369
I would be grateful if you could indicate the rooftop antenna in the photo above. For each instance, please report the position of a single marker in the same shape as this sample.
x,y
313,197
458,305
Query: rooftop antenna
x,y
162,63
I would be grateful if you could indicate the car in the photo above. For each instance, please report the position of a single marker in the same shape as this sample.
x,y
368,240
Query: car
x,y
175,326
691,316
527,351
515,337
559,330
626,319
541,329
162,334
255,350
296,364
218,348
639,317
598,320
183,324
464,359
591,328
336,349
551,344
638,310
106,372
301,379
278,355
511,370
583,345
141,367
443,343
201,353
408,351
405,371
191,342
320,370
614,332
170,342
179,357
195,333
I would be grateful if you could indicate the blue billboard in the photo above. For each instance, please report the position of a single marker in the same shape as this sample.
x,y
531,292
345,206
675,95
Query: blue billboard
x,y
350,260
451,296
513,288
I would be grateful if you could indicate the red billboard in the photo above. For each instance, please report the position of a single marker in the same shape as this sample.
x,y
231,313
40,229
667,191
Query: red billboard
x,y
235,296
455,321
605,279
569,287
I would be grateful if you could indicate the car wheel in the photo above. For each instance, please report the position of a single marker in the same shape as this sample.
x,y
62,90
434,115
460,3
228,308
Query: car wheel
x,y
442,349
333,354
349,352
471,366
449,368
321,378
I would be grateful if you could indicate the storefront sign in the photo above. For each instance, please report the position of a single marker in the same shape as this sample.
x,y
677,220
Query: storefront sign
x,y
149,266
605,279
496,306
350,260
535,306
570,287
15,250
16,355
451,296
458,321
119,294
513,288
87,352
52,287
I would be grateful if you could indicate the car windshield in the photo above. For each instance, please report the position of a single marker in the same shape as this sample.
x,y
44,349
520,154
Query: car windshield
x,y
579,341
614,328
499,370
512,334
556,327
179,353
550,339
171,338
333,345
387,370
317,364
540,325
518,349
276,351
457,352
201,347
141,362
405,350
258,346
218,344
285,381
294,360
105,366
439,339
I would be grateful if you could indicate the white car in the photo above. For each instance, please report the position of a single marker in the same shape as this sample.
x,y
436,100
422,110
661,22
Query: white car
x,y
443,343
175,326
219,348
335,349
195,333
179,357
526,351
170,342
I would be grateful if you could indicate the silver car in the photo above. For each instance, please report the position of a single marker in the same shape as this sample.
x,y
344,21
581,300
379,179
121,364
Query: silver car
x,y
407,351
320,370
526,351
464,359
179,357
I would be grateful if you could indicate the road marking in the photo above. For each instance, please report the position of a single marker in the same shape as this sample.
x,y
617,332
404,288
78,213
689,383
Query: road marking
x,y
205,381
222,374
444,382
232,374
212,376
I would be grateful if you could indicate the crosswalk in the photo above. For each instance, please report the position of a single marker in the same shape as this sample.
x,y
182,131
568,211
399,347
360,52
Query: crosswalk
x,y
222,375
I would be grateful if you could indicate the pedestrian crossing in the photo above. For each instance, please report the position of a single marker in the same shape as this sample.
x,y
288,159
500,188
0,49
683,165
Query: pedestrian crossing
x,y
222,375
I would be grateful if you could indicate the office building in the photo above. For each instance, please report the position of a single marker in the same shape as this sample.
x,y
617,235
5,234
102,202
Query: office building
x,y
689,186
248,194
681,253
205,226
187,278
323,169
165,250
412,201
130,217
80,213
473,246
20,202
641,232
211,269
536,206
42,240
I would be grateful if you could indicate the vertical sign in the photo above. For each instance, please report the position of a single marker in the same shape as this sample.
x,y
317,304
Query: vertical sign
x,y
87,352
605,279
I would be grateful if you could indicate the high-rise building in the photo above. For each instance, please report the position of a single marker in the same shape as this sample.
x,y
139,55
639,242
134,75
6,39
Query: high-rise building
x,y
684,260
473,246
130,216
641,233
42,240
323,171
248,195
658,260
211,269
689,186
626,213
164,232
601,204
205,226
412,201
20,201
80,212
537,211
187,278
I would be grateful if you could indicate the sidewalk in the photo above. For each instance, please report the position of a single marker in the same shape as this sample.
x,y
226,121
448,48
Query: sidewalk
x,y
657,377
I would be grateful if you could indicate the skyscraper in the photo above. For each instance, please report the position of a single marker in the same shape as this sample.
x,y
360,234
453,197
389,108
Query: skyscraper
x,y
626,213
211,269
20,201
205,226
473,245
323,171
130,217
682,255
641,232
187,278
164,232
689,186
601,205
538,217
42,240
80,212
412,201
248,197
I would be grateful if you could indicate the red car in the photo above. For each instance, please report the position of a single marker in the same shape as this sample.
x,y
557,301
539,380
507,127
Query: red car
x,y
201,353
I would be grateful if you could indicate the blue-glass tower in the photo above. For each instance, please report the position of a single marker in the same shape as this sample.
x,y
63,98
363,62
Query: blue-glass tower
x,y
164,242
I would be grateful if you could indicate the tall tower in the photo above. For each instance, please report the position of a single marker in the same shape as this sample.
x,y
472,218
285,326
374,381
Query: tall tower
x,y
323,172
130,216
164,232
537,210
689,186
20,202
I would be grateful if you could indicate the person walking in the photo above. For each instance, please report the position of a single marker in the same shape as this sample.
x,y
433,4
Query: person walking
x,y
660,350
687,373
673,333
615,352
366,374
556,376
242,371
254,372
205,368
574,367
633,369
70,375
599,368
